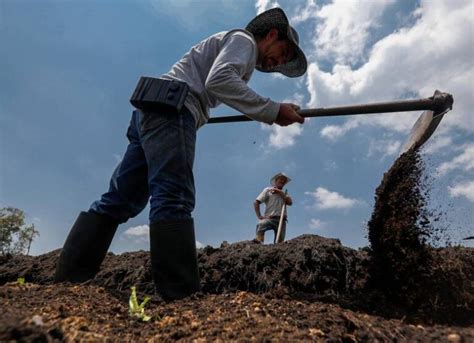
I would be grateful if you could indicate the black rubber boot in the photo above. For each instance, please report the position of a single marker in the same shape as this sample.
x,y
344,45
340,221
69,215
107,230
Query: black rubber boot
x,y
174,259
85,247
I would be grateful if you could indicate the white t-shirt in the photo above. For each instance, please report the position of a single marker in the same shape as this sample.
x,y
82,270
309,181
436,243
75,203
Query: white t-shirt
x,y
273,202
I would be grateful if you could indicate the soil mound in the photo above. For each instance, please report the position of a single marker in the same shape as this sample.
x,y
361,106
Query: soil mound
x,y
308,267
308,264
307,288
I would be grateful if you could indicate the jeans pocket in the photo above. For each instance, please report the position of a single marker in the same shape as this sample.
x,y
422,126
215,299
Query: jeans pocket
x,y
153,120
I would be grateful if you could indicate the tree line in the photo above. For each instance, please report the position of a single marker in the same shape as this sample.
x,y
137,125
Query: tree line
x,y
15,235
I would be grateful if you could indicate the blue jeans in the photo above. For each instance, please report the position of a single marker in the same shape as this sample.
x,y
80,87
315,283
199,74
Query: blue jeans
x,y
157,165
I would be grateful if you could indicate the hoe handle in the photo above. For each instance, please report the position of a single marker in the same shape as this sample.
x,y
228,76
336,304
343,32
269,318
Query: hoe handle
x,y
437,103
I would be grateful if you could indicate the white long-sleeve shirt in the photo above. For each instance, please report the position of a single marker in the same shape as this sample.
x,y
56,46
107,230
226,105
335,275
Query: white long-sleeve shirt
x,y
217,71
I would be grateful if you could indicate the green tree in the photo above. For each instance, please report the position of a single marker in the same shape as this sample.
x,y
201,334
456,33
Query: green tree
x,y
15,236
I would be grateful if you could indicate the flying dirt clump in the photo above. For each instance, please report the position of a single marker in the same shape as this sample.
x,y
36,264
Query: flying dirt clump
x,y
404,267
399,227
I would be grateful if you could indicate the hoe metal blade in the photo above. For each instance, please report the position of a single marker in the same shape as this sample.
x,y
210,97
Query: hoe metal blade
x,y
428,122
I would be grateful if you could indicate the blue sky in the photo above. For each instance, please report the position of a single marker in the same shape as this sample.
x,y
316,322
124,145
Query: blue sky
x,y
68,68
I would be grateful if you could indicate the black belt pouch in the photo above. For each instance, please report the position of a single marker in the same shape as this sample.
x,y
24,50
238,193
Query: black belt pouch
x,y
154,94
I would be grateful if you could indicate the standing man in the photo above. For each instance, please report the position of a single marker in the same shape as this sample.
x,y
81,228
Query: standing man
x,y
274,198
158,162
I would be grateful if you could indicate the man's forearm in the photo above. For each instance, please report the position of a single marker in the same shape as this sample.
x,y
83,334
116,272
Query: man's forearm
x,y
234,92
256,206
286,198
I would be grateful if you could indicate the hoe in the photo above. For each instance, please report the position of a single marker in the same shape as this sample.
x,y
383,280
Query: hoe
x,y
435,107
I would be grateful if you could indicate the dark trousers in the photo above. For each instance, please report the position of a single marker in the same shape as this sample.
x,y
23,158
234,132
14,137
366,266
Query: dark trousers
x,y
157,165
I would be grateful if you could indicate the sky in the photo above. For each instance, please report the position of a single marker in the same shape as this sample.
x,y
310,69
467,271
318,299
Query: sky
x,y
69,67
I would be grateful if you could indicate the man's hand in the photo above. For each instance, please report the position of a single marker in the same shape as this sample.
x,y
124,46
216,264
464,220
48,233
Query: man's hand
x,y
288,115
282,194
274,190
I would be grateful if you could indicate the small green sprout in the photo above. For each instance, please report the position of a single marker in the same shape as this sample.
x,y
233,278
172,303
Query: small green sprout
x,y
136,310
20,281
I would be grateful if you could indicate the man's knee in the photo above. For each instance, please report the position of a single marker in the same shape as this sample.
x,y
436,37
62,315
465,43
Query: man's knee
x,y
260,236
119,211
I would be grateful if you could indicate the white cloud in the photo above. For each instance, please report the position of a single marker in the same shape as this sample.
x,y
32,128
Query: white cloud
x,y
317,224
263,5
437,143
139,234
283,137
435,53
277,76
345,27
386,147
464,161
304,13
334,132
325,199
464,189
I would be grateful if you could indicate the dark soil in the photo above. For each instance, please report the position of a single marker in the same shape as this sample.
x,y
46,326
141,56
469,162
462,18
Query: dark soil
x,y
403,266
306,289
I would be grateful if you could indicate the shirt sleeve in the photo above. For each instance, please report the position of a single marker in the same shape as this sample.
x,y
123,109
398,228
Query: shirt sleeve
x,y
263,196
225,80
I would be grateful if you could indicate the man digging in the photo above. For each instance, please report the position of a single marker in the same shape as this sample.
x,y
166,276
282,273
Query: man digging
x,y
158,162
275,200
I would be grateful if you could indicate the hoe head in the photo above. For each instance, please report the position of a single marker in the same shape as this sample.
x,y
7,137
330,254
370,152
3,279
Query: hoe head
x,y
428,121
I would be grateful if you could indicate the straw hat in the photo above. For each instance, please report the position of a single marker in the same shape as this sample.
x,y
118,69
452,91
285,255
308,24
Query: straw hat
x,y
276,18
276,176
